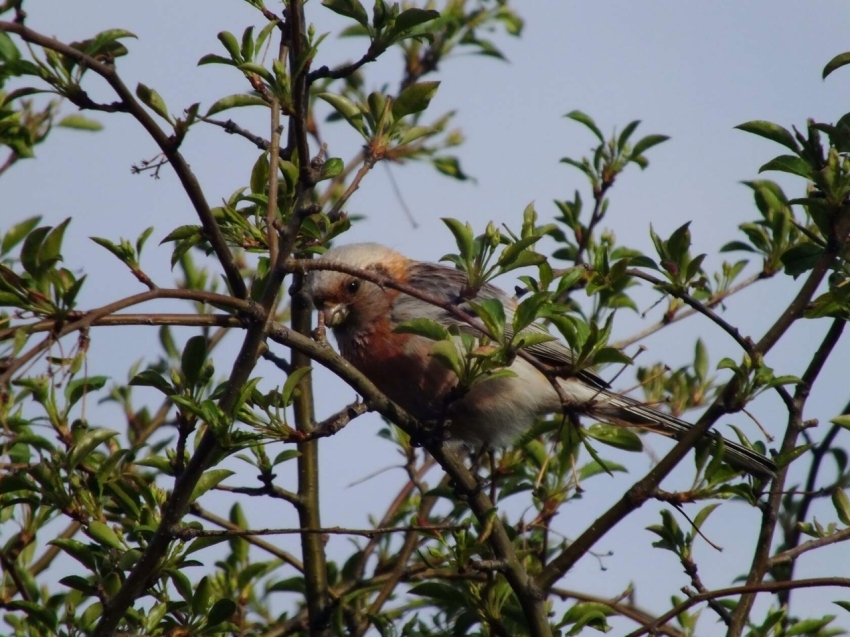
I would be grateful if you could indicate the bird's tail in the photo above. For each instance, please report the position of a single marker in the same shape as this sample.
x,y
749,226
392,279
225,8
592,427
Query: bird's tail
x,y
622,410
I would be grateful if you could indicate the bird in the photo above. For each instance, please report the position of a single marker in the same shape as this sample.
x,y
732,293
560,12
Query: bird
x,y
364,316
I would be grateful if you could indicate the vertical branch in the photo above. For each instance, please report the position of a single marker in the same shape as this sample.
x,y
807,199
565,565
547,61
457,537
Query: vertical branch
x,y
770,516
312,544
274,155
530,596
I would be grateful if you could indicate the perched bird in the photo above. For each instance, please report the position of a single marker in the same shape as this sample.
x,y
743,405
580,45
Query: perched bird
x,y
493,413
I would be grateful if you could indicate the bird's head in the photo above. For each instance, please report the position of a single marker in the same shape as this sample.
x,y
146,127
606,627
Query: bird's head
x,y
343,299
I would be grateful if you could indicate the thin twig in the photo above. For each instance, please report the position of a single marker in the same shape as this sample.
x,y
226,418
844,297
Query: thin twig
x,y
715,300
765,587
190,533
792,554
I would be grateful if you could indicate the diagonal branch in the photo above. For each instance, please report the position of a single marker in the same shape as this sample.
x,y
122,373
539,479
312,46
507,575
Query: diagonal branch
x,y
766,587
642,490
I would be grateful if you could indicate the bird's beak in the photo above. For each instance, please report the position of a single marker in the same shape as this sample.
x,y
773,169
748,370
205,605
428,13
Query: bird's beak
x,y
335,314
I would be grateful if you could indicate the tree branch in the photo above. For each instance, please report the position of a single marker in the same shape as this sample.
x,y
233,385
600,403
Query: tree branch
x,y
770,515
166,144
766,587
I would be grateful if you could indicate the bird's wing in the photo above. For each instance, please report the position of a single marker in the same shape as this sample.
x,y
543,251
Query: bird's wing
x,y
447,284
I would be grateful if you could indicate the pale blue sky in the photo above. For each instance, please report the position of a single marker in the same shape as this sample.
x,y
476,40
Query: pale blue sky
x,y
688,70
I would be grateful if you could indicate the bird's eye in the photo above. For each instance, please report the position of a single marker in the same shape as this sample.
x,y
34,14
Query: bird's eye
x,y
353,286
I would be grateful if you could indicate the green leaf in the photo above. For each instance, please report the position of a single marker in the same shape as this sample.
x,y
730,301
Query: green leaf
x,y
842,505
8,51
16,234
80,122
809,626
231,44
593,468
193,358
204,542
211,58
349,9
78,388
235,101
617,437
450,166
492,314
587,120
91,614
413,18
424,327
788,164
801,258
842,59
771,131
103,534
201,597
50,250
152,378
209,480
332,168
842,421
345,107
283,456
76,549
414,99
221,611
29,251
463,237
623,139
88,443
416,132
37,613
446,354
437,590
292,382
646,143
153,100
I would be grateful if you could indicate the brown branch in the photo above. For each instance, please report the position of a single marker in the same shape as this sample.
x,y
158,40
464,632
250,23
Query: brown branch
x,y
86,320
765,587
715,299
629,611
745,343
792,554
189,533
390,514
643,489
691,570
165,142
331,425
770,513
343,71
411,541
233,128
283,556
368,164
267,489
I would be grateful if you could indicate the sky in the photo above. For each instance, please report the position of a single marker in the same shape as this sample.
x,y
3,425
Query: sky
x,y
692,71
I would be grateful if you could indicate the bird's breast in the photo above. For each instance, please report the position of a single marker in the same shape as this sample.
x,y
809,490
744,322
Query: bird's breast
x,y
401,366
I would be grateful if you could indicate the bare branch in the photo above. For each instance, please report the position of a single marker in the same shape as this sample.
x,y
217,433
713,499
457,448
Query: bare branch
x,y
189,533
766,587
